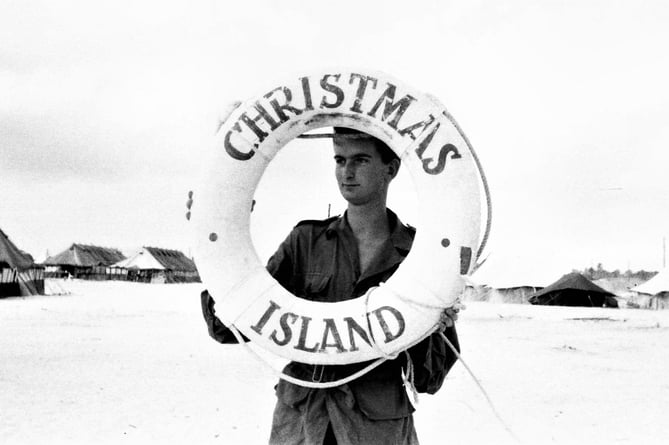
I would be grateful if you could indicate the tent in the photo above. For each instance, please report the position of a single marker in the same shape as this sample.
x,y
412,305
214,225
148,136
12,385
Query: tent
x,y
574,289
654,293
157,265
19,275
83,261
506,279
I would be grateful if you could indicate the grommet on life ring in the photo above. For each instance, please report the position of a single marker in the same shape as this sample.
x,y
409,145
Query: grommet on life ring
x,y
398,313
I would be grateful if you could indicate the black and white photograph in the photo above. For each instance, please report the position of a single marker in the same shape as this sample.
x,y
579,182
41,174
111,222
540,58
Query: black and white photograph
x,y
354,222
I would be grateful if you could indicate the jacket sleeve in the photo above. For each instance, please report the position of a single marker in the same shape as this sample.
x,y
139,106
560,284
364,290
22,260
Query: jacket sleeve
x,y
433,358
217,330
279,266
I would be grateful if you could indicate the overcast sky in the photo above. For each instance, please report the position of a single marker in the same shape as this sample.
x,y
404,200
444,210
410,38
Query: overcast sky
x,y
106,106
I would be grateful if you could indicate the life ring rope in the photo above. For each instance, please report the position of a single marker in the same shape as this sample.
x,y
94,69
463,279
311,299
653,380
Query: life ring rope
x,y
341,102
375,345
486,188
445,172
480,387
408,377
315,385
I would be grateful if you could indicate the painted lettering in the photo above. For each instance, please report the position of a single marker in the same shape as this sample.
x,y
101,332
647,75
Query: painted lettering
x,y
302,342
384,325
281,328
424,124
390,106
232,150
280,109
334,89
444,151
353,326
265,317
422,146
331,329
306,89
285,321
252,122
465,259
363,81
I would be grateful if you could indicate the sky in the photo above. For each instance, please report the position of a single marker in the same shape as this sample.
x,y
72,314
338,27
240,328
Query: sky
x,y
106,109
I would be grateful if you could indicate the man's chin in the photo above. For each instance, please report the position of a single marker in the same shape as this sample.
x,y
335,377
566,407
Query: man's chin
x,y
354,200
347,193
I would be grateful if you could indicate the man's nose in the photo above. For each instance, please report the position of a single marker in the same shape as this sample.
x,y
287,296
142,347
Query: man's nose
x,y
349,171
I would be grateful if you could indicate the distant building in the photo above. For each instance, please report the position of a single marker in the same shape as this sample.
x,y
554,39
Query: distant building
x,y
506,279
516,294
574,289
83,261
19,275
654,293
157,265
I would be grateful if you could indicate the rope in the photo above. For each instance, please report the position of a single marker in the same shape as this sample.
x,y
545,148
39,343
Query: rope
x,y
376,347
305,383
484,181
339,382
408,378
483,391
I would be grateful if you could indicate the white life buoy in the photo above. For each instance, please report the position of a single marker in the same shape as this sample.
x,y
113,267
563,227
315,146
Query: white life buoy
x,y
398,313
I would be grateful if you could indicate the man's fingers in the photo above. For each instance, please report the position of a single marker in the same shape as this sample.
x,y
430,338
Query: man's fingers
x,y
447,319
459,306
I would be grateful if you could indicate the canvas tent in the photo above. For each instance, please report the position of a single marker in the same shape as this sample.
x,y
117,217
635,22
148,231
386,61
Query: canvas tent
x,y
506,279
574,289
19,275
157,265
654,293
83,261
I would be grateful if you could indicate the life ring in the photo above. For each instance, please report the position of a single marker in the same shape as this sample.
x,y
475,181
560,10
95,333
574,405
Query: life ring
x,y
398,313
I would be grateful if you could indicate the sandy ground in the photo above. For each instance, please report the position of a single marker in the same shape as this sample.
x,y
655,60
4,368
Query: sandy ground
x,y
132,363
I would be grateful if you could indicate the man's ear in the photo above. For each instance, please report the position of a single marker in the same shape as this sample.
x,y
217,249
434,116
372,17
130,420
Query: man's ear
x,y
393,168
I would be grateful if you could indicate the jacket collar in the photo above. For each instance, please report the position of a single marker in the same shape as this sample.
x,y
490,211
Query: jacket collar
x,y
401,236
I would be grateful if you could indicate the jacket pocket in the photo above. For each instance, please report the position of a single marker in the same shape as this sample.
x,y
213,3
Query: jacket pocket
x,y
316,286
290,394
381,399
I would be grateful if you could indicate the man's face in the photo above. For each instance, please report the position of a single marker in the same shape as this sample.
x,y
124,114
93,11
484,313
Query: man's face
x,y
361,174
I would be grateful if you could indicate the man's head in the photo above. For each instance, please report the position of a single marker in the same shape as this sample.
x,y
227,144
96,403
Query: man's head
x,y
365,166
387,153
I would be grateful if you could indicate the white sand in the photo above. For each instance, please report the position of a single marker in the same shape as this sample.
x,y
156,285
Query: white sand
x,y
132,363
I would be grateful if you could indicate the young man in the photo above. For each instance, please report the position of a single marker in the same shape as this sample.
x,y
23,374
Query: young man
x,y
338,259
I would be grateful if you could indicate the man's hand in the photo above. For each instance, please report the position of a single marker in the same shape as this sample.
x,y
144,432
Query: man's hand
x,y
450,315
